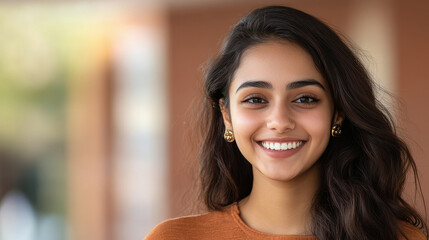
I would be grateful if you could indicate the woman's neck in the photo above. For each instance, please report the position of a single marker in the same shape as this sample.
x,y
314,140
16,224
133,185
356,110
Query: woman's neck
x,y
281,207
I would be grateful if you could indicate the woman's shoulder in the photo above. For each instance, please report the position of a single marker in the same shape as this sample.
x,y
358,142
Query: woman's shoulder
x,y
192,227
410,232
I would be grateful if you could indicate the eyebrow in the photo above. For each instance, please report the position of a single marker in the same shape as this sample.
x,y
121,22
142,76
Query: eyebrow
x,y
292,85
303,83
256,84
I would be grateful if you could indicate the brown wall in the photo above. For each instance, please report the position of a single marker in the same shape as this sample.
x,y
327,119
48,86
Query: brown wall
x,y
412,34
196,35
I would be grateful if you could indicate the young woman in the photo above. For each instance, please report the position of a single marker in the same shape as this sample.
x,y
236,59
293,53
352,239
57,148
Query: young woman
x,y
296,146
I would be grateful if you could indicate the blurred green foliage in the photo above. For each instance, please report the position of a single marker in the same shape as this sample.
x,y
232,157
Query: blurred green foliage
x,y
43,49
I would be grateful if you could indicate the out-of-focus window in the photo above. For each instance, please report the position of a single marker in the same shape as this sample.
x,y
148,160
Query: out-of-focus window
x,y
82,120
33,74
141,127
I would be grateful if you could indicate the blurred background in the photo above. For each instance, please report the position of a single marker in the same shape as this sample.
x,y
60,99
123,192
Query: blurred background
x,y
96,103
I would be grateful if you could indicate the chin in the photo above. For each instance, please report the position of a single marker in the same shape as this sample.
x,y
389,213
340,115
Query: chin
x,y
279,174
287,174
282,177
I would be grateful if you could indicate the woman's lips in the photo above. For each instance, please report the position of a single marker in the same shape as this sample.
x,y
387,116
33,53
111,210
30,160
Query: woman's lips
x,y
281,149
281,146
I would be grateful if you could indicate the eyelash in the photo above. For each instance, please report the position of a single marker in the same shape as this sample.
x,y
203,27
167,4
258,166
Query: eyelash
x,y
308,100
251,100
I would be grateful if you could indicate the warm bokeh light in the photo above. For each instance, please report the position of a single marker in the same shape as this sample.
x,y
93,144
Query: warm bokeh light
x,y
95,99
82,116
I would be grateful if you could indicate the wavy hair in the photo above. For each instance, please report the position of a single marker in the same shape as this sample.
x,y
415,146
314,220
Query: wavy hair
x,y
363,171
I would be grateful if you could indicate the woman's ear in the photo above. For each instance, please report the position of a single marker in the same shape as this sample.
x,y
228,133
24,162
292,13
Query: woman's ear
x,y
225,114
339,117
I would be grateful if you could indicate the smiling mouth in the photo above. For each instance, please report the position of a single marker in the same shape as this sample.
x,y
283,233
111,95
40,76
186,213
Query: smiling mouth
x,y
281,146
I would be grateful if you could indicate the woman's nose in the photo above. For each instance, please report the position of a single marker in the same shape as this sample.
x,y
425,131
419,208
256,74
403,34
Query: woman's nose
x,y
280,119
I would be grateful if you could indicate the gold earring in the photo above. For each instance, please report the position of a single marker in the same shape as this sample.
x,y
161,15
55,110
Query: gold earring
x,y
336,130
228,135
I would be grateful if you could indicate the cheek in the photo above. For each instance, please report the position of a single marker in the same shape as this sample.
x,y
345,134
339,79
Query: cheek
x,y
318,125
244,122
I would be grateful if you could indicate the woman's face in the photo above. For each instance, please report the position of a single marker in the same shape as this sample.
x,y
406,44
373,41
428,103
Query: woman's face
x,y
280,110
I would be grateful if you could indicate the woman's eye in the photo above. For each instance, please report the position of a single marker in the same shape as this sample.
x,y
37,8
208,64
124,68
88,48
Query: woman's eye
x,y
255,100
306,100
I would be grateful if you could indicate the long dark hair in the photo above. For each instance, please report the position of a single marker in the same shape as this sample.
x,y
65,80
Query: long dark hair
x,y
363,171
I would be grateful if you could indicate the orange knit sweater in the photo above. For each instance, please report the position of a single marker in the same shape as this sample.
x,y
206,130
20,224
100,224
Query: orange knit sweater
x,y
227,224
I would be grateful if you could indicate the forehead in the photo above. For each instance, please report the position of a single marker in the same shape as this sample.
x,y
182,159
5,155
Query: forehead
x,y
278,62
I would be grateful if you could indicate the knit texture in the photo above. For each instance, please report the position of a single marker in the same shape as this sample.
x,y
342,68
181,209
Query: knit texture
x,y
227,224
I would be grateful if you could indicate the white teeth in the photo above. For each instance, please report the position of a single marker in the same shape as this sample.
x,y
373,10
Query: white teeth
x,y
281,146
